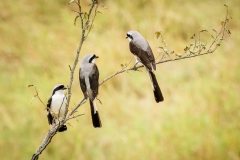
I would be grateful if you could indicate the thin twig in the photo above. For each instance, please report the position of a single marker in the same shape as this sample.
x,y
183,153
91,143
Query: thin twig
x,y
76,108
73,117
36,94
94,16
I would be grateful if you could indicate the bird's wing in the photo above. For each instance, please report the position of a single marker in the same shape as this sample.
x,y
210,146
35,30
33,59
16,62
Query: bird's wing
x,y
145,56
151,57
49,116
82,83
93,79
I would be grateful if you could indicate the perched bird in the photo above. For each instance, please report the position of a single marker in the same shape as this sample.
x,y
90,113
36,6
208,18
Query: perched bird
x,y
143,53
88,78
56,106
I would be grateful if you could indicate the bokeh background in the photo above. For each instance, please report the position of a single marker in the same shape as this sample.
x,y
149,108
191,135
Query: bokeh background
x,y
199,119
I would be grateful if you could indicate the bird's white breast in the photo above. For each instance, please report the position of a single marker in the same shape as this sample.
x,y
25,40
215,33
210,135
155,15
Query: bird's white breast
x,y
58,105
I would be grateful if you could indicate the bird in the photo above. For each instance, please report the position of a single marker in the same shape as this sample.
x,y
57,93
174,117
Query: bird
x,y
142,51
56,106
88,79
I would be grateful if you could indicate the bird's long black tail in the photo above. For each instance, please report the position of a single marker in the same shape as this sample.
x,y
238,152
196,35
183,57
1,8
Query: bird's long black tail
x,y
156,89
50,121
63,128
95,116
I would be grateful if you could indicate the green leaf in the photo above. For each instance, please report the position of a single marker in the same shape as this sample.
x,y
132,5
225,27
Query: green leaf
x,y
204,30
71,1
228,31
85,16
179,55
186,48
158,34
193,36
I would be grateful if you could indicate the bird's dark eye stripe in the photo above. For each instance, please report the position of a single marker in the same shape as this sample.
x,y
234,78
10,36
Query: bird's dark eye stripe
x,y
58,88
92,58
130,36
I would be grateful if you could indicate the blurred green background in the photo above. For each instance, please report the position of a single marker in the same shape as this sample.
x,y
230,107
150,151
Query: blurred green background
x,y
199,119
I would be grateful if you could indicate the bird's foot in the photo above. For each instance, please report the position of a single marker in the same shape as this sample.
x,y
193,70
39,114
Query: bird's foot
x,y
135,66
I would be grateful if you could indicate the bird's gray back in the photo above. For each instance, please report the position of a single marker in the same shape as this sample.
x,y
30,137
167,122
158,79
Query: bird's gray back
x,y
139,40
89,76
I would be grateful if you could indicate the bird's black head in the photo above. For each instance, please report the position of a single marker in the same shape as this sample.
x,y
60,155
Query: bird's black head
x,y
58,88
129,36
92,58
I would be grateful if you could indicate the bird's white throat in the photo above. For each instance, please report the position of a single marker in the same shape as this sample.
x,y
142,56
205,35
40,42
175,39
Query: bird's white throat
x,y
129,39
93,61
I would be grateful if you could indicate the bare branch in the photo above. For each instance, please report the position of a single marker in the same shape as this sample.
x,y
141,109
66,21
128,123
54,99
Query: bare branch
x,y
46,141
55,127
94,16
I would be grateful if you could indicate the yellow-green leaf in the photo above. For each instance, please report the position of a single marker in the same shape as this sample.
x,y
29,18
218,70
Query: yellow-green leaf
x,y
158,34
71,1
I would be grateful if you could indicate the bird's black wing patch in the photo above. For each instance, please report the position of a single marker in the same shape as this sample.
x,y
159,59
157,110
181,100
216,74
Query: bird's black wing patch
x,y
151,57
143,55
82,84
49,116
93,79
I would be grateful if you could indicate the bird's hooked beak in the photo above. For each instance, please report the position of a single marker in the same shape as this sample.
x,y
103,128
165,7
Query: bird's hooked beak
x,y
129,37
96,57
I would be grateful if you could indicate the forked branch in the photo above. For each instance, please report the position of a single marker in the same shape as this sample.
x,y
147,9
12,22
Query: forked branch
x,y
85,29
